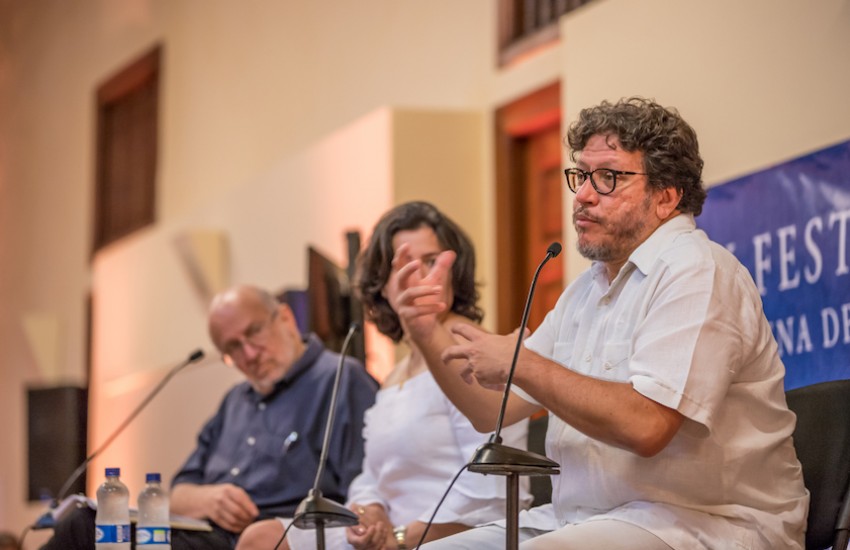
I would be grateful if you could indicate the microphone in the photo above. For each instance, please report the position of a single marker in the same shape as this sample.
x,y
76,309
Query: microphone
x,y
493,457
551,252
316,511
58,508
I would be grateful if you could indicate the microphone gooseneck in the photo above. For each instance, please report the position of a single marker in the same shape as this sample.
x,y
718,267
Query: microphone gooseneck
x,y
48,519
497,459
326,443
551,252
316,511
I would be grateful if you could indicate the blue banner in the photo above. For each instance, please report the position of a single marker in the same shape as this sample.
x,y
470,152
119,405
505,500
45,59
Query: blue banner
x,y
788,225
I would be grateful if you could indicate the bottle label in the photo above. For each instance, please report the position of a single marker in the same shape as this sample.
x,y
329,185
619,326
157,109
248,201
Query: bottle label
x,y
112,533
152,535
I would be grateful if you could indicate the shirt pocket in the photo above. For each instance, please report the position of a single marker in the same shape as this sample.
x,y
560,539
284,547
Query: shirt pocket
x,y
276,445
614,361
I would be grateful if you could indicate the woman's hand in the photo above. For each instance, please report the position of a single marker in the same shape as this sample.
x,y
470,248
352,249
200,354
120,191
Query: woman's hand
x,y
374,530
373,537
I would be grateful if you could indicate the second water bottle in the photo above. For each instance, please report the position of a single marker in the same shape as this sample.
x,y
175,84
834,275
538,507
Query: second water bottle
x,y
153,530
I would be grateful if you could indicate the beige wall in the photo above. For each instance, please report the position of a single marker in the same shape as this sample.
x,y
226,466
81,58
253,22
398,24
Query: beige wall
x,y
256,93
761,81
432,151
343,182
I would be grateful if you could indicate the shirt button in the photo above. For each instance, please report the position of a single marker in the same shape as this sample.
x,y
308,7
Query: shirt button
x,y
607,365
261,406
587,358
251,440
234,471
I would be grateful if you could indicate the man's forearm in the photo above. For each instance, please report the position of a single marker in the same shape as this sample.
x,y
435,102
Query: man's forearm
x,y
187,500
613,412
480,405
228,505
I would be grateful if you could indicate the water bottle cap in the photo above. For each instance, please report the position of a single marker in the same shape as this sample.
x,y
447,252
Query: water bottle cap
x,y
151,477
113,472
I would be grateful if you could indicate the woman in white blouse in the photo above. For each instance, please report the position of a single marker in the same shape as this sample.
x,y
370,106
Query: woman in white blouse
x,y
416,440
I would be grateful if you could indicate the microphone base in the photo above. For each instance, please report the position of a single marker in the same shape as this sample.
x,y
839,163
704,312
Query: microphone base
x,y
44,521
59,510
318,512
498,459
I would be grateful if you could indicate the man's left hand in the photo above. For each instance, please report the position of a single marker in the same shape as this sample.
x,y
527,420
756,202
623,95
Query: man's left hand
x,y
488,356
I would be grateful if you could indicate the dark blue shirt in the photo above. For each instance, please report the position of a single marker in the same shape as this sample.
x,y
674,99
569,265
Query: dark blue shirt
x,y
270,445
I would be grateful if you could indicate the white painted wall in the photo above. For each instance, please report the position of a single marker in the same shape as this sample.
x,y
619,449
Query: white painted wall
x,y
148,315
761,81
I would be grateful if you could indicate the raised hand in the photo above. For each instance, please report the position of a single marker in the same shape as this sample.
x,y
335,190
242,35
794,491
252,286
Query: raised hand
x,y
418,292
487,356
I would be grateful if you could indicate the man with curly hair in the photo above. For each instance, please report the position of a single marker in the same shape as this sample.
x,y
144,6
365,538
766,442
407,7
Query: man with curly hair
x,y
658,368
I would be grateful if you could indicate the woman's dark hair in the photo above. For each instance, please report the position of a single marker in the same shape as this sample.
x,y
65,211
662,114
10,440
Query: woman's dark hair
x,y
375,264
669,145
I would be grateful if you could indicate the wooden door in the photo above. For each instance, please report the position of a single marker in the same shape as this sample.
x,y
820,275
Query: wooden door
x,y
529,212
544,182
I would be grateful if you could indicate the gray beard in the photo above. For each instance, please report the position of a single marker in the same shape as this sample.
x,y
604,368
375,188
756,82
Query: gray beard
x,y
625,236
596,253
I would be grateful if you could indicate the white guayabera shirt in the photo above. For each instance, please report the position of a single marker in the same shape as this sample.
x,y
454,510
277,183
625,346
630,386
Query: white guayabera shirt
x,y
683,324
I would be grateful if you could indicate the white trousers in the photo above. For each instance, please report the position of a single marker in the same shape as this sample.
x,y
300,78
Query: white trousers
x,y
592,535
305,539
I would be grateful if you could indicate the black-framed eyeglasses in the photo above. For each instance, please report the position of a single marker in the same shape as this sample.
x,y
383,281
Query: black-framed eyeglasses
x,y
604,180
257,335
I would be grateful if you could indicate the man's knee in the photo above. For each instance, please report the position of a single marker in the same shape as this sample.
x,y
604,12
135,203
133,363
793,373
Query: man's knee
x,y
488,537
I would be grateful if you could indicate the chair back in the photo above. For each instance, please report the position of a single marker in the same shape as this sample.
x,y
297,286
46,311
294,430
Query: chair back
x,y
541,486
822,441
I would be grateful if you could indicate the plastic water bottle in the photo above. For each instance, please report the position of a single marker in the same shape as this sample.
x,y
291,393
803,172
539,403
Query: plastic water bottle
x,y
112,522
153,530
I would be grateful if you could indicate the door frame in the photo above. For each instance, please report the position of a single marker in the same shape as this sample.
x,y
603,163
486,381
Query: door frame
x,y
514,123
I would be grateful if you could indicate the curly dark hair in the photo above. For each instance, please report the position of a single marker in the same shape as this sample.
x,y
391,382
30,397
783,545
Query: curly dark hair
x,y
375,264
669,145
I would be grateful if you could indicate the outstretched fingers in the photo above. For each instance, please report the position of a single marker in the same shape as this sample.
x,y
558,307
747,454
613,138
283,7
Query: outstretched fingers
x,y
439,272
464,349
401,257
418,301
415,295
407,275
484,357
402,268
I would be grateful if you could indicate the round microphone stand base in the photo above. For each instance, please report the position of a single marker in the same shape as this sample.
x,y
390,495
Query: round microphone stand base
x,y
497,459
317,512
